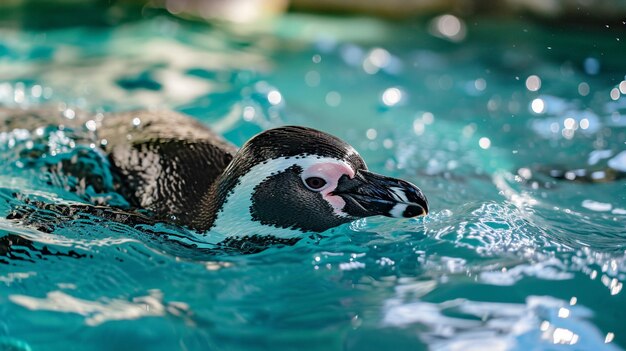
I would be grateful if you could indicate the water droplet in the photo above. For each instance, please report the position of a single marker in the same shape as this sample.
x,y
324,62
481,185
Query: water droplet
x,y
91,125
428,118
533,83
379,57
392,96
564,336
484,143
248,113
352,54
525,173
480,84
418,126
615,286
591,65
36,91
469,130
333,98
371,134
274,97
312,78
47,92
554,127
614,94
18,92
567,134
69,113
583,89
584,123
449,27
537,105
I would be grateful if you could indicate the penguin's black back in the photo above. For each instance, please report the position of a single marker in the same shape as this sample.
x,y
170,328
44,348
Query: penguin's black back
x,y
163,161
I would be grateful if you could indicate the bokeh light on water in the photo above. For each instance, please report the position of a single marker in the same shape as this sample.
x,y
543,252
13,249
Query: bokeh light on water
x,y
515,130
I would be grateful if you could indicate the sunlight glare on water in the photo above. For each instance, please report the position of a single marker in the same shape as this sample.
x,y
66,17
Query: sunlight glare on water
x,y
519,148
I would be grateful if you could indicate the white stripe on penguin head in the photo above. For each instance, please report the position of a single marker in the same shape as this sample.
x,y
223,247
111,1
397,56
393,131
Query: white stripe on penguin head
x,y
235,219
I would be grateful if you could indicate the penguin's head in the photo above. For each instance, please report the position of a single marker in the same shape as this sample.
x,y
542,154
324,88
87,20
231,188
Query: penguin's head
x,y
297,178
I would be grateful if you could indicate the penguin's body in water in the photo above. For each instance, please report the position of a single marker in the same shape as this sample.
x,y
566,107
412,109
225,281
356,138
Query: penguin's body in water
x,y
282,183
163,162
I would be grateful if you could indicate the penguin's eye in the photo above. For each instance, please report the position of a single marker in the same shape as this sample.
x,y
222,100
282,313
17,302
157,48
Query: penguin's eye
x,y
315,183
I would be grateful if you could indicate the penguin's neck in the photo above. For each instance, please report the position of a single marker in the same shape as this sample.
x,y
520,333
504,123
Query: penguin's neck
x,y
224,211
203,215
242,234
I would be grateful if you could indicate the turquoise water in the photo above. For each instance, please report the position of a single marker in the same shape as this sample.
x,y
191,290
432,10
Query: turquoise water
x,y
477,113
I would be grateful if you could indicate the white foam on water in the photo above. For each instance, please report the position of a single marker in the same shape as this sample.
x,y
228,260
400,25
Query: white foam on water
x,y
596,206
540,322
104,310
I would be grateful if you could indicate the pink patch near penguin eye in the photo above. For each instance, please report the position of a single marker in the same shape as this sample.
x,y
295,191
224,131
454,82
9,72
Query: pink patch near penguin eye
x,y
330,172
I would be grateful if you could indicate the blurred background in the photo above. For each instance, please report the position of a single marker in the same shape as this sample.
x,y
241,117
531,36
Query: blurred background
x,y
509,114
241,11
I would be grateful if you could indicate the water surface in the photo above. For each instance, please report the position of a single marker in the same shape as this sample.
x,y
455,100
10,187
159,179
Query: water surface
x,y
476,114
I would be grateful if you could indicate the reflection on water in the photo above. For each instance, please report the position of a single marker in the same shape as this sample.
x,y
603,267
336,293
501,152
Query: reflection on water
x,y
515,131
96,313
464,324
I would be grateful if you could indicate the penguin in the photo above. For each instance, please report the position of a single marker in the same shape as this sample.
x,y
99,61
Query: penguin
x,y
282,184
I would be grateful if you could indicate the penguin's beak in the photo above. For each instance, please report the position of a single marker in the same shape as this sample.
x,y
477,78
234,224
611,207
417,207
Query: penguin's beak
x,y
371,194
